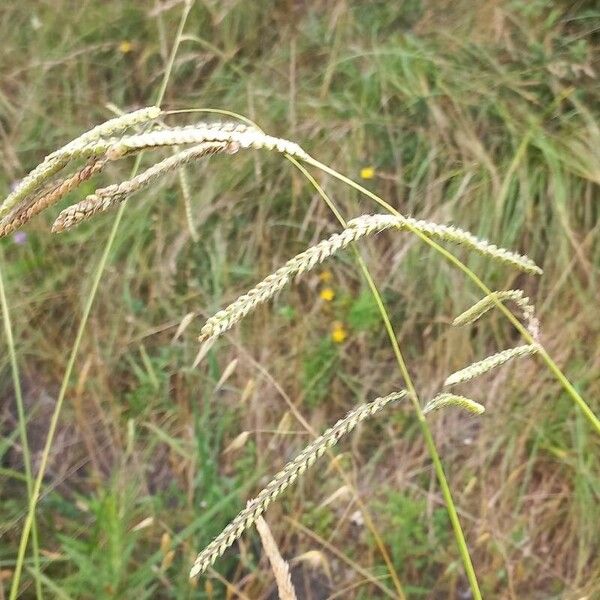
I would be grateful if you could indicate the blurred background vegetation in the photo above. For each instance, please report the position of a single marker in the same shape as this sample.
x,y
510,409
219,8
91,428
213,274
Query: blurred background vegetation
x,y
483,114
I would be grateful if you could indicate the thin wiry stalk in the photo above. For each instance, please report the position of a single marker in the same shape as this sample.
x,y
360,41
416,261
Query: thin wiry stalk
x,y
489,363
446,399
105,198
60,158
16,580
26,211
22,428
429,441
286,477
547,359
484,305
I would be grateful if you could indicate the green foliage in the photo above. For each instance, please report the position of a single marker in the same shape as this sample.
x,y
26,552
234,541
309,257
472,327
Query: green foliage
x,y
101,563
363,314
417,540
318,369
320,519
149,389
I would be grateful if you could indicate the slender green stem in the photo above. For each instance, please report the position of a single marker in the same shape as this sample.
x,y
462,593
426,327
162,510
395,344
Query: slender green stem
x,y
80,331
429,442
22,426
542,353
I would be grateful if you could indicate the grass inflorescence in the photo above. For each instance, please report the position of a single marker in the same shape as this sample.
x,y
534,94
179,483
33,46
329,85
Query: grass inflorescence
x,y
483,118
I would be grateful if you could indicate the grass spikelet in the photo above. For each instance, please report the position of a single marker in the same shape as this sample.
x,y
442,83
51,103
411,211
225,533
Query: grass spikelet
x,y
108,197
294,469
246,137
446,399
110,128
488,302
273,283
449,233
80,146
280,568
21,214
489,363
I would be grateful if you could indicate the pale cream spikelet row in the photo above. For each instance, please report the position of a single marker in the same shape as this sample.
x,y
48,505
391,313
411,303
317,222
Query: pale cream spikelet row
x,y
489,363
105,198
447,399
449,233
488,302
26,211
294,469
231,126
275,282
111,128
279,566
79,147
246,138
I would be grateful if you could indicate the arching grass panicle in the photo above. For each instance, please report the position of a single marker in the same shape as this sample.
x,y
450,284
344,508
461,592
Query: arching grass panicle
x,y
177,136
285,478
55,161
105,198
301,263
449,233
27,210
488,302
111,128
489,363
447,399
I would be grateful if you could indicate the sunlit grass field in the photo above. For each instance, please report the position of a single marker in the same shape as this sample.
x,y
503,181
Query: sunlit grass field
x,y
483,115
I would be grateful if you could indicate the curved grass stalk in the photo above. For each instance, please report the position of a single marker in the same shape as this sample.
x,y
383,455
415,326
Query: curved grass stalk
x,y
16,580
429,442
286,477
22,430
546,358
256,139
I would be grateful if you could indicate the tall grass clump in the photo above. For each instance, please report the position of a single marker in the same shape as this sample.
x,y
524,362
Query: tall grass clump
x,y
110,143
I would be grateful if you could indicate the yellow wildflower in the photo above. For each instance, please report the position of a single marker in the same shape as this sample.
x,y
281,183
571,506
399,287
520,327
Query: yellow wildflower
x,y
367,173
125,47
325,276
338,332
327,294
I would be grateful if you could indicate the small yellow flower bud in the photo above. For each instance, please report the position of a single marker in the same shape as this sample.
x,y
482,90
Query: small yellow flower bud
x,y
327,294
367,173
338,333
125,47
